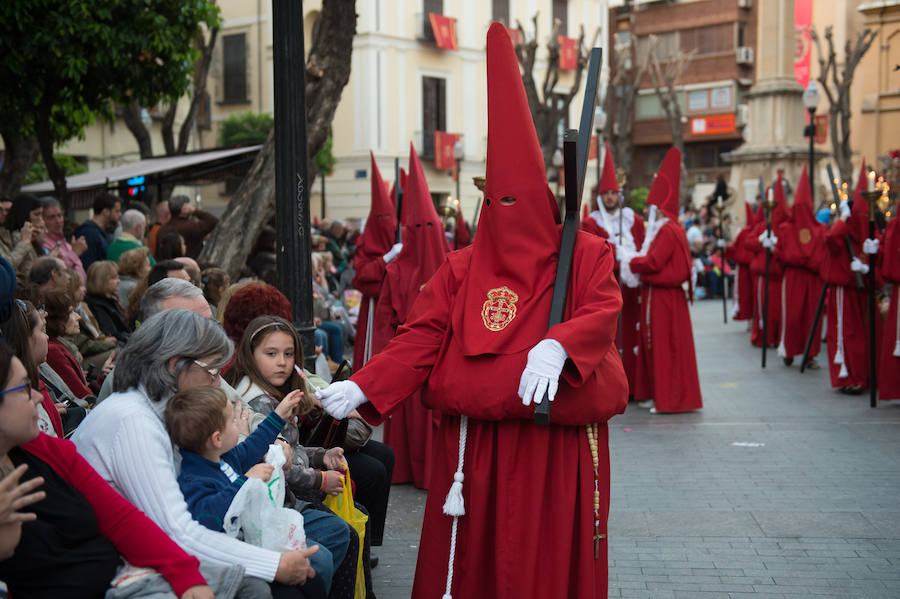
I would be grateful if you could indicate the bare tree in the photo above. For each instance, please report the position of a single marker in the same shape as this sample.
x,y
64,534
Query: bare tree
x,y
131,113
327,72
549,108
836,80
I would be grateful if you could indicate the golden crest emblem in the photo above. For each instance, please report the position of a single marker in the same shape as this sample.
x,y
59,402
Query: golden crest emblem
x,y
499,309
805,236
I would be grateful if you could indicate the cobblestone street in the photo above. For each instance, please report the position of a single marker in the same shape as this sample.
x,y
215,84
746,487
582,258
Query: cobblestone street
x,y
778,488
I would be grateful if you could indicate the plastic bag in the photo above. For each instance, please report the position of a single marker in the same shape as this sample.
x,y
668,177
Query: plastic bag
x,y
257,512
322,369
343,506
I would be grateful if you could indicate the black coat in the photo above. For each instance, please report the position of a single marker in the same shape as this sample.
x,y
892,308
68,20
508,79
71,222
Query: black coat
x,y
109,316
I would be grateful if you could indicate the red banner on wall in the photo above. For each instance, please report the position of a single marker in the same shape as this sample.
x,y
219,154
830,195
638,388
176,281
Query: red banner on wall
x,y
803,49
592,153
713,125
821,128
444,29
568,57
443,150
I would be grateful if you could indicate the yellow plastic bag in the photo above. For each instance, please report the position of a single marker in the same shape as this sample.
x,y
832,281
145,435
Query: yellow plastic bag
x,y
343,506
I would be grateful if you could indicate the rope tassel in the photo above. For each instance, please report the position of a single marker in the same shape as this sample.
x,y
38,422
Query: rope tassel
x,y
454,504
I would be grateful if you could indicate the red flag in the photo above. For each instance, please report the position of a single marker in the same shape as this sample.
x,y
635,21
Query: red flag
x,y
444,29
443,150
515,35
568,57
821,128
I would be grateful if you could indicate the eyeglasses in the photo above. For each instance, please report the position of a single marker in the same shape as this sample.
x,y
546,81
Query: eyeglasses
x,y
19,388
213,372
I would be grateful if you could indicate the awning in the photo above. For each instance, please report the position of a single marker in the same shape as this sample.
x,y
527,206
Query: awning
x,y
163,167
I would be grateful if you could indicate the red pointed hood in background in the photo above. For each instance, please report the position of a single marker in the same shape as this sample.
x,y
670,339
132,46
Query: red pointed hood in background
x,y
608,180
424,244
805,223
504,303
463,236
664,190
381,224
748,214
859,215
781,212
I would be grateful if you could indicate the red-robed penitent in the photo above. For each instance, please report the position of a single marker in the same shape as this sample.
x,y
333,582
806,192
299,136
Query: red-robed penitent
x,y
889,356
606,225
409,430
666,362
368,262
528,490
847,330
800,248
737,252
776,272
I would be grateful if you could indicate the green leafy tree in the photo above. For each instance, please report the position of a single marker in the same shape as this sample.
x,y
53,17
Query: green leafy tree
x,y
38,171
66,63
325,160
638,199
245,129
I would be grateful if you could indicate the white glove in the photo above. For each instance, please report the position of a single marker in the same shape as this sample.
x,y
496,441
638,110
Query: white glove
x,y
870,246
721,243
767,240
392,253
341,398
545,363
857,265
845,208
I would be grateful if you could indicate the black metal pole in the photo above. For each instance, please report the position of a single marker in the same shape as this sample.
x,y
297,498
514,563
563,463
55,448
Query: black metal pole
x,y
291,180
765,331
599,168
815,324
873,315
398,200
322,176
812,156
722,259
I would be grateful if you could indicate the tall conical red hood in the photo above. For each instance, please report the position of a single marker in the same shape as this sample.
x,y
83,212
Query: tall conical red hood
x,y
608,180
506,296
859,217
424,244
781,212
805,225
748,214
665,188
381,224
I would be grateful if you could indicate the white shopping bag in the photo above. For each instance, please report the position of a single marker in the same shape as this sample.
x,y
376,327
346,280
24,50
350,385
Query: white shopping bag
x,y
256,511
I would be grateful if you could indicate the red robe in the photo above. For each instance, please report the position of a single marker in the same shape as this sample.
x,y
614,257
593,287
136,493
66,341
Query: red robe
x,y
800,250
370,269
528,524
627,337
758,270
666,364
848,327
889,356
744,295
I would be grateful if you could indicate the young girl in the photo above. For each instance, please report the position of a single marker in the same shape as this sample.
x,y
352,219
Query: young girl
x,y
262,374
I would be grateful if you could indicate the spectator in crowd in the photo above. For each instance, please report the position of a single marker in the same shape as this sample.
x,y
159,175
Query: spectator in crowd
x,y
69,251
192,269
102,297
49,273
134,223
171,246
134,266
214,283
125,439
83,527
162,217
22,239
62,321
165,269
107,209
193,224
262,257
95,346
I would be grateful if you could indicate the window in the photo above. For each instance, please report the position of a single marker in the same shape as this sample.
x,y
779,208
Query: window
x,y
720,98
434,112
666,46
430,7
708,40
500,11
234,51
561,12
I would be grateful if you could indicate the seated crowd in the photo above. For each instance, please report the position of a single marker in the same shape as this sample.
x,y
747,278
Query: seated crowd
x,y
140,390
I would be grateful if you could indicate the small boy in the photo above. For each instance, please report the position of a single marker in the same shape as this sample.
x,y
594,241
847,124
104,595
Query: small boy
x,y
203,424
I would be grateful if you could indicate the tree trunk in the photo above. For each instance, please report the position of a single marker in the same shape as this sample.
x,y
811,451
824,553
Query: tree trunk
x,y
201,72
131,114
42,125
20,154
327,73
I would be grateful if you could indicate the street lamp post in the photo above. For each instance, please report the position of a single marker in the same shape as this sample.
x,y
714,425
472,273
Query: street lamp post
x,y
811,99
458,156
557,164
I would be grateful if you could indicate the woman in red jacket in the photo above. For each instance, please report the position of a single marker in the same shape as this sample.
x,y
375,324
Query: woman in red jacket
x,y
62,356
83,527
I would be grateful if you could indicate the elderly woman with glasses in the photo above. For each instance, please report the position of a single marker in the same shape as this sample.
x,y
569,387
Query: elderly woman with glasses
x,y
125,439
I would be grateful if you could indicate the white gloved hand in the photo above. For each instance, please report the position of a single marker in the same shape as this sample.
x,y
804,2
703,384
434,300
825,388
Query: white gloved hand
x,y
767,240
857,265
341,398
845,208
721,243
392,253
545,363
870,246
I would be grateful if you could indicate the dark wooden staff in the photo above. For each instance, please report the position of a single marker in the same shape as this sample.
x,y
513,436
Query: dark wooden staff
x,y
398,199
871,197
769,207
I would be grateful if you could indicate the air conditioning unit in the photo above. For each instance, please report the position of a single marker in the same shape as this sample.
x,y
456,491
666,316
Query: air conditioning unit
x,y
748,4
743,115
745,55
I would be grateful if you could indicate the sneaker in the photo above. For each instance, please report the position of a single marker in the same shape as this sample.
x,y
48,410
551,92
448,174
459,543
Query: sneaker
x,y
647,403
653,411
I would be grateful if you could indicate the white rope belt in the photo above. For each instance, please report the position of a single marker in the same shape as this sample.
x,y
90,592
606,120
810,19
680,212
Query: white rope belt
x,y
367,347
735,291
454,505
759,302
839,352
897,335
782,352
